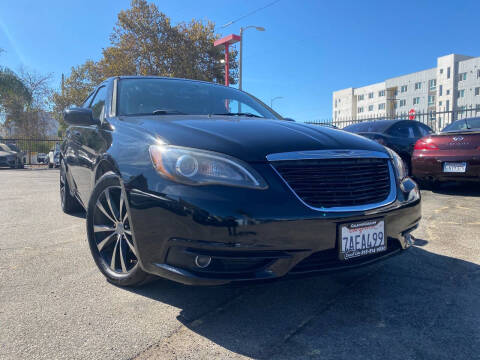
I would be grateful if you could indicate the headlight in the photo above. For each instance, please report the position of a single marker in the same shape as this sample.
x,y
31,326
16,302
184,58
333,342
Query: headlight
x,y
200,167
398,164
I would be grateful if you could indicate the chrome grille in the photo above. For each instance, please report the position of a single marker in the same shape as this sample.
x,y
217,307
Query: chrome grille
x,y
328,183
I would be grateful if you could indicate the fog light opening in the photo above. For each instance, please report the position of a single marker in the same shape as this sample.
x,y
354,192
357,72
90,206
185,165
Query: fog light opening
x,y
202,261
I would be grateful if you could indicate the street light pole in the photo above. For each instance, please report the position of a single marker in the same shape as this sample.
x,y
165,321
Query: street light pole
x,y
273,99
240,65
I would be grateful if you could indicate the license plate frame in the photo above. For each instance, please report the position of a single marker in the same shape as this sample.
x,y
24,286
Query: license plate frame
x,y
363,227
459,167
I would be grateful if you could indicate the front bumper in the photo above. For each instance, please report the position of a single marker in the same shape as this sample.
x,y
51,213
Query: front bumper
x,y
7,162
249,234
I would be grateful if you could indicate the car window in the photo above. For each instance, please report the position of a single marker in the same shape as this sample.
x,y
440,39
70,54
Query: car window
x,y
368,126
177,97
86,103
423,129
98,103
13,147
465,124
402,129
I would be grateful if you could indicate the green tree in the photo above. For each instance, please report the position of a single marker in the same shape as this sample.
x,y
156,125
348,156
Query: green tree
x,y
144,42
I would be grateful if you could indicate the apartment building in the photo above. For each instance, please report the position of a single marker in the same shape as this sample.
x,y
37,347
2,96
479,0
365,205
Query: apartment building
x,y
453,84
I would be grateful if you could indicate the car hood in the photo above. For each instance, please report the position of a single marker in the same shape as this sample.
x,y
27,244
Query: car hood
x,y
6,153
249,139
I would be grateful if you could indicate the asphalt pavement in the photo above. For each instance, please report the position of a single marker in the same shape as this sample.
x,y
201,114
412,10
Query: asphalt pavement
x,y
55,304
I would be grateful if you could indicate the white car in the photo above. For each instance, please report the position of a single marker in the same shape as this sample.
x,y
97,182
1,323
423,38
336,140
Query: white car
x,y
54,158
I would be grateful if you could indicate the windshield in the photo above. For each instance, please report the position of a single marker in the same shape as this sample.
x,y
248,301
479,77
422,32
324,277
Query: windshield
x,y
150,96
4,147
464,124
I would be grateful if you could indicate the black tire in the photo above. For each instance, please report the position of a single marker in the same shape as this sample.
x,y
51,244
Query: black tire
x,y
69,203
113,250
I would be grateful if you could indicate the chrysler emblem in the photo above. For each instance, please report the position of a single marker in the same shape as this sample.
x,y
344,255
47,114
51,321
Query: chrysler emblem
x,y
458,138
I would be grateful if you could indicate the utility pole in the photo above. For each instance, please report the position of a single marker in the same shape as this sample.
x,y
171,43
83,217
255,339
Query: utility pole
x,y
240,62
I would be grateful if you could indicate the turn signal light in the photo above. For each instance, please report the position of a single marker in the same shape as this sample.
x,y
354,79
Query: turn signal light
x,y
425,144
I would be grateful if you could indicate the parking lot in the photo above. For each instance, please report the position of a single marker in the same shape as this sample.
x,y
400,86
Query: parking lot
x,y
55,304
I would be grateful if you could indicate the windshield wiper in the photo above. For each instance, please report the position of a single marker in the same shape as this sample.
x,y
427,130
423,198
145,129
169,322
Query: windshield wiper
x,y
167,112
238,114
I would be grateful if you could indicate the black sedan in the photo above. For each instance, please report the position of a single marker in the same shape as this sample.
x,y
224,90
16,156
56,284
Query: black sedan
x,y
398,135
204,184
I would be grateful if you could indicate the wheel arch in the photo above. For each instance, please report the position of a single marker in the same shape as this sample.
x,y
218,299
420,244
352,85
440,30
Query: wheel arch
x,y
105,164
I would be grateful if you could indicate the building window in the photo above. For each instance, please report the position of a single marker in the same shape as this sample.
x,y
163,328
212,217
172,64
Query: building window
x,y
431,100
418,85
370,107
360,109
478,74
448,91
447,108
416,100
395,105
381,106
360,97
381,93
448,72
403,88
403,102
432,115
477,91
477,108
441,71
396,92
461,93
462,76
370,95
440,90
335,103
439,103
432,84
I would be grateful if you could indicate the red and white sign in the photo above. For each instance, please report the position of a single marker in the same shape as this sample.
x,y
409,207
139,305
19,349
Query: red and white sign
x,y
411,114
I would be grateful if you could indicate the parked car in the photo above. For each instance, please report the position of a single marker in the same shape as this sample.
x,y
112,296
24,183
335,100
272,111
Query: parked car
x,y
178,182
398,135
42,158
453,154
54,157
11,156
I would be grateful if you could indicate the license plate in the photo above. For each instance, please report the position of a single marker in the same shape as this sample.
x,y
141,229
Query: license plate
x,y
454,167
362,238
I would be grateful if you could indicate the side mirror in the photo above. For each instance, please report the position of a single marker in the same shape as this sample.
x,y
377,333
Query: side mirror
x,y
288,119
79,116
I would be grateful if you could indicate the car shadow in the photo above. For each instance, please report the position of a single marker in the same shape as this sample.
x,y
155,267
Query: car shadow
x,y
416,305
81,214
458,189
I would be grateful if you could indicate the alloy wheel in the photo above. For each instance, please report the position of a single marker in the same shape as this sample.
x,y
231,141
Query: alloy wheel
x,y
62,187
112,232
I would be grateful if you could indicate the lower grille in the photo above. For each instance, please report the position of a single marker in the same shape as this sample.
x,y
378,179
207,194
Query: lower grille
x,y
328,259
328,183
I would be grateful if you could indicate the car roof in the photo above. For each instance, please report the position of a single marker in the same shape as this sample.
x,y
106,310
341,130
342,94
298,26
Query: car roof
x,y
373,126
164,78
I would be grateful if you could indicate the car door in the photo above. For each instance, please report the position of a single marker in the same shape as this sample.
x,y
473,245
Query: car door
x,y
89,144
402,138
